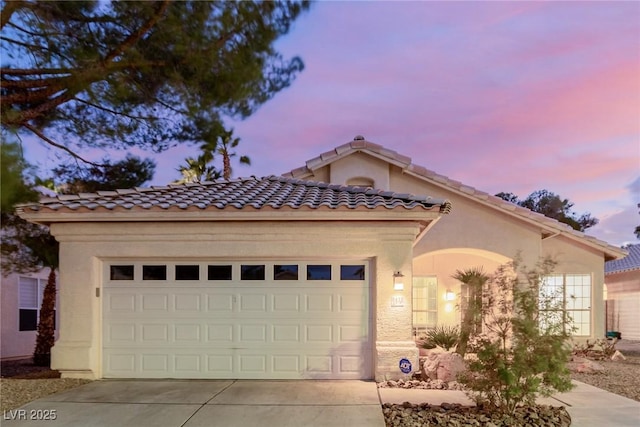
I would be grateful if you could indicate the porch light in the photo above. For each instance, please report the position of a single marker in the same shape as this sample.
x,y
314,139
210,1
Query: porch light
x,y
398,283
449,295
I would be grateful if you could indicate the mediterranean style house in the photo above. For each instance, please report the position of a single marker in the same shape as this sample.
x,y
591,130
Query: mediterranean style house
x,y
328,271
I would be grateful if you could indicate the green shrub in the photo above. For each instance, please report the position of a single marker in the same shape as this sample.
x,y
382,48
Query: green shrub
x,y
443,336
523,349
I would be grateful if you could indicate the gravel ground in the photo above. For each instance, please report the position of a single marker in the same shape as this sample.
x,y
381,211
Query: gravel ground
x,y
23,382
623,377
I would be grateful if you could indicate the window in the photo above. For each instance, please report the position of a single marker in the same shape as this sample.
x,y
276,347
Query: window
x,y
30,300
252,272
318,272
121,272
425,304
154,272
219,272
568,295
187,272
352,272
285,272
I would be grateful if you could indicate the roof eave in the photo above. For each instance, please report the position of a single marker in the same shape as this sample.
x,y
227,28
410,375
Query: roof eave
x,y
233,214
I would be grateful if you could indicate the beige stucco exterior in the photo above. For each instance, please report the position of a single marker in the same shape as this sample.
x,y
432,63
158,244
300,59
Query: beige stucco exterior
x,y
85,246
474,234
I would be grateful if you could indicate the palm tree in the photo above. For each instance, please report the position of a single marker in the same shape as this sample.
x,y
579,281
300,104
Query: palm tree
x,y
473,281
226,143
198,169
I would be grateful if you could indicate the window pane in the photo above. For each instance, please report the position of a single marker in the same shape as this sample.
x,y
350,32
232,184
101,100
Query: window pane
x,y
425,303
285,272
318,272
252,272
121,272
352,272
28,320
28,292
154,272
219,272
187,272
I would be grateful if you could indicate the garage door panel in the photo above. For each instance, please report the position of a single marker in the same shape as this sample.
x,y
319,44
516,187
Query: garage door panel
x,y
234,329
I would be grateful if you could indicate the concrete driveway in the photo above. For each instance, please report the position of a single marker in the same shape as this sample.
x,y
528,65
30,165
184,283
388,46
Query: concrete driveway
x,y
195,403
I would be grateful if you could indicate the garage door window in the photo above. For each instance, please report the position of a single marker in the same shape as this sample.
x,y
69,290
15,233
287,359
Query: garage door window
x,y
285,272
187,272
154,272
352,272
121,272
252,272
219,272
318,272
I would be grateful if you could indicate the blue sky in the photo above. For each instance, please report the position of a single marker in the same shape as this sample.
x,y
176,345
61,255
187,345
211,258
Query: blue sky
x,y
503,96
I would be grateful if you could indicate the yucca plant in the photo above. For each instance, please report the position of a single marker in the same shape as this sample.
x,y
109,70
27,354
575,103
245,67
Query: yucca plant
x,y
444,336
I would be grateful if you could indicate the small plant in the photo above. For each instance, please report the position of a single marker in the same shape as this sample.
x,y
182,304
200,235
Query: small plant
x,y
473,282
523,349
443,336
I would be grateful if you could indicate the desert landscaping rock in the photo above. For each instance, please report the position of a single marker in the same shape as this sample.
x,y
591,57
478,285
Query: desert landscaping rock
x,y
443,366
454,415
422,385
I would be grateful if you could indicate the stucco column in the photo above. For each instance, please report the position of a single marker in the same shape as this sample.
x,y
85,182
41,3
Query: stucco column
x,y
74,352
394,340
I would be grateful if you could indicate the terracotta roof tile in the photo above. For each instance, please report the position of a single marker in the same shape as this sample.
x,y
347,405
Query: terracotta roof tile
x,y
275,192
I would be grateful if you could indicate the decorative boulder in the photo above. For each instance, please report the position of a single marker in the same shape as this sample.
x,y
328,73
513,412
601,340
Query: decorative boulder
x,y
443,366
585,366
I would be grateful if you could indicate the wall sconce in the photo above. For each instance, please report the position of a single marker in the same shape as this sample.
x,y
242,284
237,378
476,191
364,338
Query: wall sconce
x,y
398,283
449,295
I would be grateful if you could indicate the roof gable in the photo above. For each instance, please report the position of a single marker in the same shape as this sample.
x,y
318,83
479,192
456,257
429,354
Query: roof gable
x,y
549,226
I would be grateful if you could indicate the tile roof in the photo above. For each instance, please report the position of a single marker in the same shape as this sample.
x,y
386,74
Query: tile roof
x,y
359,144
273,192
628,263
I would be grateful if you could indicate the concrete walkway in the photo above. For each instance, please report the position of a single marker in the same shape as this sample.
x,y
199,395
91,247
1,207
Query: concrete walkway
x,y
588,406
170,403
174,403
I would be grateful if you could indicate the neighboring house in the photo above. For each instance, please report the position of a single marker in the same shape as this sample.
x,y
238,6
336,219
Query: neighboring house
x,y
622,279
21,298
286,277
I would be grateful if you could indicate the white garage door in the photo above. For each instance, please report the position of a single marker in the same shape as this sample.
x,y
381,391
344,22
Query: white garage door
x,y
252,320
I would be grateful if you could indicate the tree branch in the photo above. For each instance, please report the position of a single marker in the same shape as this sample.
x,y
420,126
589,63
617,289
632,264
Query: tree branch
x,y
33,71
55,144
7,11
108,110
134,37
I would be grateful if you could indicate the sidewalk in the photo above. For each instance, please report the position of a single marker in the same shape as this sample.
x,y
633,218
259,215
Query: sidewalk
x,y
588,406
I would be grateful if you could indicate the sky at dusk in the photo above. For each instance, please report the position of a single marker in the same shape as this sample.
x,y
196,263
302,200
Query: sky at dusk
x,y
514,97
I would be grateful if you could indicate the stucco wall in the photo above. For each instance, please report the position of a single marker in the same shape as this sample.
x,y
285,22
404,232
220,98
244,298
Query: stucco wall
x,y
472,226
84,247
360,165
